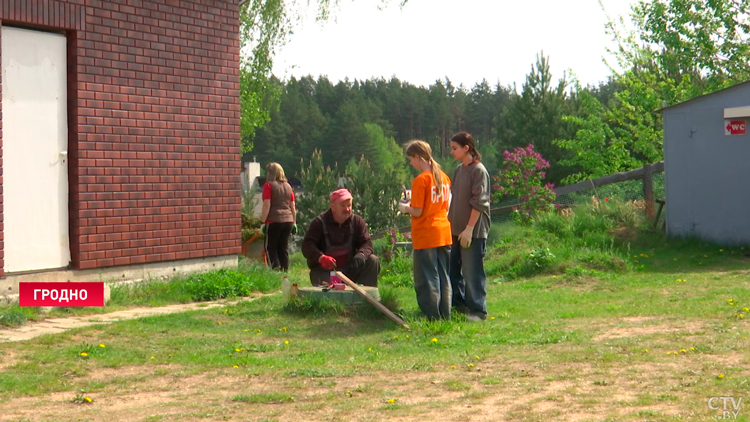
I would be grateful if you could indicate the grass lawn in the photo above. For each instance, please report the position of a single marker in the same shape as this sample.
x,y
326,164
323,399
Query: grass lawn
x,y
643,330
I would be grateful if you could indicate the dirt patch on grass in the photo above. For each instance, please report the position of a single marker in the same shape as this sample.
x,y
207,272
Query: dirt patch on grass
x,y
491,390
644,326
7,359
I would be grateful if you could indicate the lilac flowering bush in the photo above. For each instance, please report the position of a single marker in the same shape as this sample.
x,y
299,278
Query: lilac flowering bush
x,y
522,178
397,236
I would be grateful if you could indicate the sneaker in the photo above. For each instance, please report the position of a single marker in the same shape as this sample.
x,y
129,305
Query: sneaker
x,y
476,317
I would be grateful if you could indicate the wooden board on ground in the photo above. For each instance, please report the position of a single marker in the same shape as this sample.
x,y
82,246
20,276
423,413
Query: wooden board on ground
x,y
372,300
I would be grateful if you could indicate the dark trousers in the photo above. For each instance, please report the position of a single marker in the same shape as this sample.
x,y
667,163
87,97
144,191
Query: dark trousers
x,y
467,276
277,245
431,281
367,276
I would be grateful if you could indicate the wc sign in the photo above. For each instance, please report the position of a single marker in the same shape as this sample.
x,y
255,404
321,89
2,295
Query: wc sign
x,y
734,127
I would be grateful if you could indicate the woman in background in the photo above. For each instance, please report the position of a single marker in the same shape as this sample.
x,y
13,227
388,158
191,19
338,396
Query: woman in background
x,y
279,216
430,232
470,223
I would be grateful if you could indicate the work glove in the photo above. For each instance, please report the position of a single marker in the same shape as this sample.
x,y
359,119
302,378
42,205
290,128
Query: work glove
x,y
264,229
294,229
358,262
327,262
465,237
402,207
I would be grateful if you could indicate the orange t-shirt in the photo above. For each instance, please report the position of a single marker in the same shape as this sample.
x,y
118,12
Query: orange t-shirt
x,y
431,229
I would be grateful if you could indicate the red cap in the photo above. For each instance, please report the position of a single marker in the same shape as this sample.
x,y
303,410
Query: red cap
x,y
340,195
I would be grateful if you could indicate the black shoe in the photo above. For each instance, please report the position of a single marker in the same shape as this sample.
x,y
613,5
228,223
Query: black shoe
x,y
461,309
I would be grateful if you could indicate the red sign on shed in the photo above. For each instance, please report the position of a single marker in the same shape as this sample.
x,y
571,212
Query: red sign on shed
x,y
734,127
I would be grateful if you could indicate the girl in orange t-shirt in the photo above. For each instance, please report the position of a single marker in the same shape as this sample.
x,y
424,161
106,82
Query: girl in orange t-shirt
x,y
430,232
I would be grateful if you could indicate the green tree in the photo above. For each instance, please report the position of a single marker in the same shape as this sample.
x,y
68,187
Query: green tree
x,y
376,192
595,149
678,50
318,181
386,153
264,27
536,116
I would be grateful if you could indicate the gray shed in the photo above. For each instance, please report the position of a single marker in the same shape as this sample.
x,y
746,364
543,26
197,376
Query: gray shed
x,y
706,153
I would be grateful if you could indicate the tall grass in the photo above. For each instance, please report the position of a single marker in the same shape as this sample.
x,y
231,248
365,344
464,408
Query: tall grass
x,y
594,237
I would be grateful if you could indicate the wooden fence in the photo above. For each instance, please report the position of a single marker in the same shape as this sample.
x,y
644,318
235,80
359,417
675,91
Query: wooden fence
x,y
644,173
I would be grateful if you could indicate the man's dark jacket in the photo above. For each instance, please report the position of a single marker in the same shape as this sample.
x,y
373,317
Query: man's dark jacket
x,y
314,243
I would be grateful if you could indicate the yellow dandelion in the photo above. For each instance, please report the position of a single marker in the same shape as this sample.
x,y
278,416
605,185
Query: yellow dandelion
x,y
742,315
434,340
692,348
492,317
407,336
471,365
746,309
453,366
246,330
683,350
236,350
153,357
88,399
283,328
391,401
218,322
720,376
645,350
286,341
102,345
477,357
369,349
236,366
84,354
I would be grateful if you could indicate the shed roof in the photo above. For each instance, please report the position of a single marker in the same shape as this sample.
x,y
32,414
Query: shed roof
x,y
701,97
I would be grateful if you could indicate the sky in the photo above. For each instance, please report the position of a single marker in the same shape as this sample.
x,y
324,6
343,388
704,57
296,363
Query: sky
x,y
464,40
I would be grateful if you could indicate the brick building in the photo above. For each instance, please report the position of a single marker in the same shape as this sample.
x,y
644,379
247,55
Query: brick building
x,y
120,135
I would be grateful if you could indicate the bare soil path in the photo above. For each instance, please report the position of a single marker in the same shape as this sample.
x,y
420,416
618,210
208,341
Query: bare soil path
x,y
58,325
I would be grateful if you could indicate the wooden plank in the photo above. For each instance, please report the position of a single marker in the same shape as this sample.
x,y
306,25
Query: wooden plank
x,y
648,191
374,302
607,180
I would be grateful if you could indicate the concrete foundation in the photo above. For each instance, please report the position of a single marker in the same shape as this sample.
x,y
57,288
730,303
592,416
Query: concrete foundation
x,y
125,273
347,297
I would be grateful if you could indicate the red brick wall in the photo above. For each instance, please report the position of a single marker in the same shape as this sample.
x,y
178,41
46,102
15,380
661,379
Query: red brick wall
x,y
154,140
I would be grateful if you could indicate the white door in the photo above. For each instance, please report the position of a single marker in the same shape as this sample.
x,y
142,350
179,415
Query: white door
x,y
34,144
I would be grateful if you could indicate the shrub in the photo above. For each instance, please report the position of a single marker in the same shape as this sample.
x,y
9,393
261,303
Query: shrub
x,y
250,226
376,192
521,177
553,223
218,285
